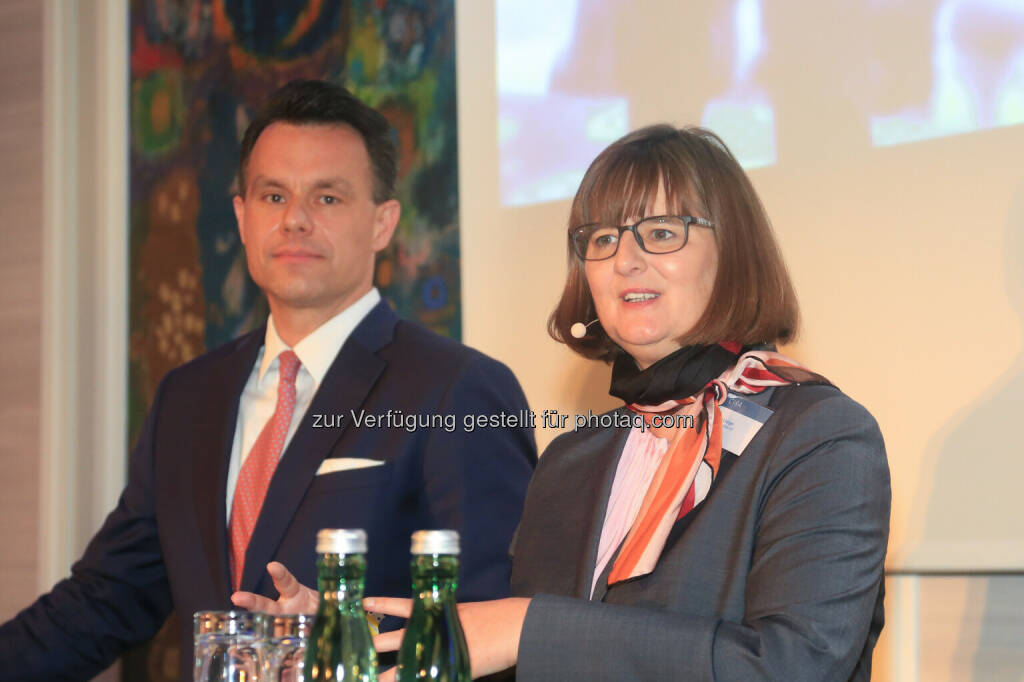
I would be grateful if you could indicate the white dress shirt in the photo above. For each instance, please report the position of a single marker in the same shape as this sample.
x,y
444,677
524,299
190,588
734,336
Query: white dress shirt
x,y
316,352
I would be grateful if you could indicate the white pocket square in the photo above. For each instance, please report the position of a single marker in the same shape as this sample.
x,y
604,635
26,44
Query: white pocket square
x,y
333,464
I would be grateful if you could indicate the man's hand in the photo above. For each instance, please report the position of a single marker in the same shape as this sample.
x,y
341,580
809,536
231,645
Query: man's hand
x,y
295,598
492,631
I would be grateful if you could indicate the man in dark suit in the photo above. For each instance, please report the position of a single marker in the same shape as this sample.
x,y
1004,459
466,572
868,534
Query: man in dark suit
x,y
335,414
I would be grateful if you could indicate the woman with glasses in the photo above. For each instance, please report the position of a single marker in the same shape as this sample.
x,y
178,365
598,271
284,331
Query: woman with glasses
x,y
736,529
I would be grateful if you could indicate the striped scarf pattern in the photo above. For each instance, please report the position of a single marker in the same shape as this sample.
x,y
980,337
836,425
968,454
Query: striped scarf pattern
x,y
671,494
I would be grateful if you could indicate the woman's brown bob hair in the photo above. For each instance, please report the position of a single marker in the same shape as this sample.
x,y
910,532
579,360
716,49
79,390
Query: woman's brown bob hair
x,y
752,300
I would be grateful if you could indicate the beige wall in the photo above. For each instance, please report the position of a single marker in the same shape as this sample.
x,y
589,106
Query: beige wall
x,y
21,153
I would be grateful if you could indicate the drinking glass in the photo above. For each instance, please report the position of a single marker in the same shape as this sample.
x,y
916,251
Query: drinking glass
x,y
284,646
226,646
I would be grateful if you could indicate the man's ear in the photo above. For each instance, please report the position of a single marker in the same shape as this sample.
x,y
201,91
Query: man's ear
x,y
384,223
239,204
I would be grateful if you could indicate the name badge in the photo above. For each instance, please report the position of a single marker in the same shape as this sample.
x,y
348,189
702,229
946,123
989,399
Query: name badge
x,y
741,420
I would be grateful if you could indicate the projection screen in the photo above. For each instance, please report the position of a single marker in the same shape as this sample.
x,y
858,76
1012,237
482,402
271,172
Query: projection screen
x,y
885,138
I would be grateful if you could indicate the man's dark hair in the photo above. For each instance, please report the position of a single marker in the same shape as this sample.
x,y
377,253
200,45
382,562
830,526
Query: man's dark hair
x,y
312,102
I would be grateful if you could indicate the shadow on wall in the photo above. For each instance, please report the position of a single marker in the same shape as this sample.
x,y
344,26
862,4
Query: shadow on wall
x,y
584,383
970,517
591,394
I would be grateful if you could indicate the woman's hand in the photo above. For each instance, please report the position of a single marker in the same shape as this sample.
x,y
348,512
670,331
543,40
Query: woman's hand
x,y
492,631
295,597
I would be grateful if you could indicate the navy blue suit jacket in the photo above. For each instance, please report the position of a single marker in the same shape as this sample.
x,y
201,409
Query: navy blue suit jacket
x,y
164,545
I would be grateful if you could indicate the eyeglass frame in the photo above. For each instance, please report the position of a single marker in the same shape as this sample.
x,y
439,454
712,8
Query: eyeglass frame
x,y
687,221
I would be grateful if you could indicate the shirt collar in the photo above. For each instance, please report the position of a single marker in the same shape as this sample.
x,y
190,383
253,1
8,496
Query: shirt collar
x,y
317,351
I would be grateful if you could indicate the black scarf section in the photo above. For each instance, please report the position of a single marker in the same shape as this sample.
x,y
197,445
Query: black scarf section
x,y
674,377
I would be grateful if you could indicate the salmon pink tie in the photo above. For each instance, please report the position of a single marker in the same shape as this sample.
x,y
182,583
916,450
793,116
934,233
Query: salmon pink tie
x,y
258,469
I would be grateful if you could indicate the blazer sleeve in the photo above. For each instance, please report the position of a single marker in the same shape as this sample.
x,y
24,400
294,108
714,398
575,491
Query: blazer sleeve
x,y
811,589
117,595
476,476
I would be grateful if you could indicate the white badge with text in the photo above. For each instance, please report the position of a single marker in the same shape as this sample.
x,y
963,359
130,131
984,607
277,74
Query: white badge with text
x,y
741,420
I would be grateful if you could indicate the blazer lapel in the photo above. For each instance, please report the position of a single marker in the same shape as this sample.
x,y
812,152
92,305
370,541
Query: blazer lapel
x,y
610,455
345,387
215,435
601,588
593,495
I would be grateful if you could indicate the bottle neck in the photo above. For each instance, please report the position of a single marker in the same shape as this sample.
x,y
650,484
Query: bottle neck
x,y
341,577
435,576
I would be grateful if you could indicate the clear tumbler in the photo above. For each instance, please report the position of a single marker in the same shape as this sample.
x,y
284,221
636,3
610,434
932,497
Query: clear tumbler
x,y
226,646
283,644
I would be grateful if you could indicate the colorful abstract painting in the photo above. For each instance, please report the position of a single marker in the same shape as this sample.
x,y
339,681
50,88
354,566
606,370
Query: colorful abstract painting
x,y
199,68
198,71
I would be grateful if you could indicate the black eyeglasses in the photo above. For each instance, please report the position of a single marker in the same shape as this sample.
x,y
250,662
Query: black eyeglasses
x,y
655,234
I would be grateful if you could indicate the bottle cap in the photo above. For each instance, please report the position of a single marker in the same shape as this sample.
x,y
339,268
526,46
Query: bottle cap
x,y
341,541
435,542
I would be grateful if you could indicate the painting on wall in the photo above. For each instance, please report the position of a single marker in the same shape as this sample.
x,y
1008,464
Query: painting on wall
x,y
198,71
199,68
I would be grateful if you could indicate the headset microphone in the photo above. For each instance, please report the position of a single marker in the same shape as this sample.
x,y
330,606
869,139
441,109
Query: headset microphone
x,y
579,330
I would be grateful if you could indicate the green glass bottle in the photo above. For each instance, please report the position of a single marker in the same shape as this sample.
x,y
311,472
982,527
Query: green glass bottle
x,y
340,647
434,646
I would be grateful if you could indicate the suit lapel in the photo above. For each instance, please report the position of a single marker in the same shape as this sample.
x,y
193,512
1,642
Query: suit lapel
x,y
214,433
601,588
345,387
593,495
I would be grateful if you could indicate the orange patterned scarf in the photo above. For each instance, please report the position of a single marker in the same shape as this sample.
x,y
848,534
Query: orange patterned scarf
x,y
671,493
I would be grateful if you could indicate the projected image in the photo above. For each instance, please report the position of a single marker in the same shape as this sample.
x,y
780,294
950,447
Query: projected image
x,y
977,74
567,71
743,116
780,82
546,135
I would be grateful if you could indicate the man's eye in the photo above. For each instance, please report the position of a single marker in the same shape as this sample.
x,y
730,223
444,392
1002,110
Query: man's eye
x,y
273,198
328,199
